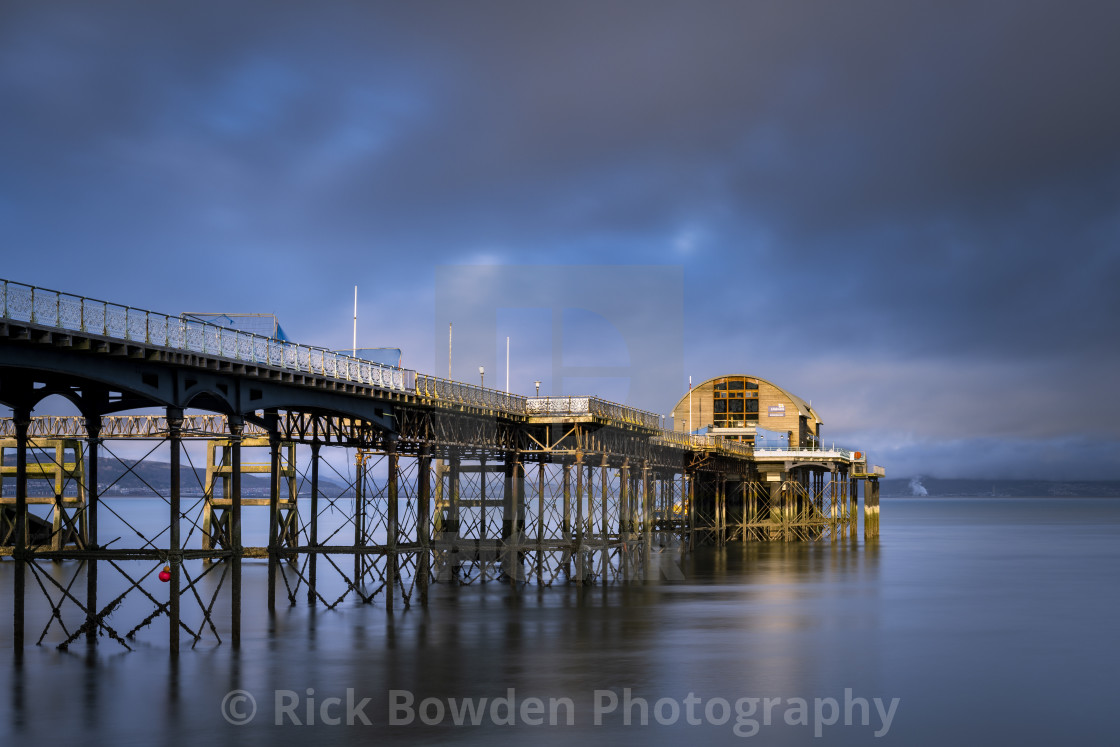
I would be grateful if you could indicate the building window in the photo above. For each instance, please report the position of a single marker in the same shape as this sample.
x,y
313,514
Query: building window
x,y
734,402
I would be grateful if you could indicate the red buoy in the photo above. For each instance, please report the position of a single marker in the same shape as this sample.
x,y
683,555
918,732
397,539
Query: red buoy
x,y
165,574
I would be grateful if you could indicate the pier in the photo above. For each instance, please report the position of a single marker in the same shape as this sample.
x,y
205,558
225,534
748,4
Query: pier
x,y
448,482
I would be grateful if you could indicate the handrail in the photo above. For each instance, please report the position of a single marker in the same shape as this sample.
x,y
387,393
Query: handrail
x,y
592,406
701,442
461,393
800,452
50,427
28,303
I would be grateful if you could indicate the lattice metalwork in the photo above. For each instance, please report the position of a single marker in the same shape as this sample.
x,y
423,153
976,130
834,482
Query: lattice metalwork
x,y
117,588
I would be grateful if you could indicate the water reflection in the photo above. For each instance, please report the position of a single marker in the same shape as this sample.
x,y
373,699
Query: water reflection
x,y
963,620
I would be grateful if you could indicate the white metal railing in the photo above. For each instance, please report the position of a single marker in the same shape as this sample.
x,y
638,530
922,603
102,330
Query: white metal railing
x,y
591,406
27,303
737,447
829,453
127,426
461,393
694,442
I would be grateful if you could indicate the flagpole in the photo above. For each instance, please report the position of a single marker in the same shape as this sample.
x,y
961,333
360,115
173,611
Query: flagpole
x,y
690,405
355,340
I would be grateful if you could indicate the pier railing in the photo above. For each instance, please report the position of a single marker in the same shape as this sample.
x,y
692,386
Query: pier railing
x,y
698,442
461,393
27,303
206,425
779,452
601,408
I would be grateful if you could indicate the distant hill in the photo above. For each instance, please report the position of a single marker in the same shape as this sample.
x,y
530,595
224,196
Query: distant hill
x,y
942,487
130,477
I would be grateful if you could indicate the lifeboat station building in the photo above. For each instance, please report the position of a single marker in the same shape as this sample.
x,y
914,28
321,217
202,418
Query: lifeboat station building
x,y
748,409
795,487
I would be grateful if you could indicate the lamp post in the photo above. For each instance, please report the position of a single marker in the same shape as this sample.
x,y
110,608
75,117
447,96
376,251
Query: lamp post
x,y
538,385
482,376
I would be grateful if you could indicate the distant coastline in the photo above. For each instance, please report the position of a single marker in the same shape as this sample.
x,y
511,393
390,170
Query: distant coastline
x,y
935,487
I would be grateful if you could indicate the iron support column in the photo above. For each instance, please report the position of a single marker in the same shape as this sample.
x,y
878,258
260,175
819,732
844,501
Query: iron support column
x,y
540,521
452,527
482,498
509,515
359,517
93,434
604,526
721,501
870,509
624,494
21,418
174,437
581,572
647,524
692,510
391,525
566,519
273,508
777,511
519,511
832,497
313,527
853,505
743,491
236,430
423,519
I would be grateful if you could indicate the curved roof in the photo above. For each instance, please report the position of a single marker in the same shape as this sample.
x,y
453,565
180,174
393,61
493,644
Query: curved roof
x,y
803,407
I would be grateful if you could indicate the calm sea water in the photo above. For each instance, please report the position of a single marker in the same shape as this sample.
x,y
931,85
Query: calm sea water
x,y
971,621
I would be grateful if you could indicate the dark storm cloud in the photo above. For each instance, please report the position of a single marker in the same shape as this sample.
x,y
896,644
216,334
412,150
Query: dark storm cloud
x,y
937,184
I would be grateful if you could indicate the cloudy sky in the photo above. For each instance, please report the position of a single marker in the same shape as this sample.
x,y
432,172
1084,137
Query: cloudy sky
x,y
907,213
